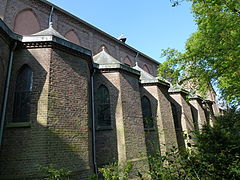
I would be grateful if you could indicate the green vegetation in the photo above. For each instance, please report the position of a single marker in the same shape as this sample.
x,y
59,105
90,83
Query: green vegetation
x,y
53,173
114,172
212,54
215,155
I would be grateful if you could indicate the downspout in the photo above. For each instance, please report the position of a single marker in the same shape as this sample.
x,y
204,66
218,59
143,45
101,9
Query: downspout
x,y
93,126
6,91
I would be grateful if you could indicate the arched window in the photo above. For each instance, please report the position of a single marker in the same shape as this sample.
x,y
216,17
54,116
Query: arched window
x,y
23,89
102,105
147,112
175,116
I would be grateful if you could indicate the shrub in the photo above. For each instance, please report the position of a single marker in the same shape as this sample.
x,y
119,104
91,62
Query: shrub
x,y
54,173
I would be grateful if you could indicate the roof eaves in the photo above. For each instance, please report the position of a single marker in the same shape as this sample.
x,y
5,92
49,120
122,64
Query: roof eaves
x,y
9,32
57,40
115,66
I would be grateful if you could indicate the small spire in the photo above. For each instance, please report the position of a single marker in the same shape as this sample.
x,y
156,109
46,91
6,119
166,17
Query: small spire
x,y
50,24
103,48
50,18
136,64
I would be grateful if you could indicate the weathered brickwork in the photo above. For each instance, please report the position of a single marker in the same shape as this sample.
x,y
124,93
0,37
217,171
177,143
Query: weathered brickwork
x,y
61,131
153,138
106,140
89,36
43,141
164,120
27,144
134,135
68,119
198,113
186,120
4,57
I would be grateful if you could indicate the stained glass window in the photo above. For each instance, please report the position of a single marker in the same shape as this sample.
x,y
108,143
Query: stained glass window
x,y
175,116
102,105
147,112
22,98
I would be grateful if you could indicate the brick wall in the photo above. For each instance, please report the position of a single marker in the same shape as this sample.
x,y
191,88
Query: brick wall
x,y
199,112
132,120
59,131
106,140
68,143
126,140
90,38
4,57
165,123
184,111
24,147
152,137
2,8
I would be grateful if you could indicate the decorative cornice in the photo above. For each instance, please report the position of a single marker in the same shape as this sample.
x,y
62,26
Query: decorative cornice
x,y
49,41
116,68
151,82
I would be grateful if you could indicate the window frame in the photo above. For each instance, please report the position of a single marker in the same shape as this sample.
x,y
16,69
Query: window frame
x,y
22,97
99,104
149,108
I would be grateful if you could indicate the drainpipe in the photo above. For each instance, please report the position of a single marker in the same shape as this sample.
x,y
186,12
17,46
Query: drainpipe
x,y
6,90
93,126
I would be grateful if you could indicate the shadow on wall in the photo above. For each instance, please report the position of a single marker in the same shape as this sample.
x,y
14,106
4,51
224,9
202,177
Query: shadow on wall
x,y
152,138
19,162
36,143
177,116
194,112
2,78
106,139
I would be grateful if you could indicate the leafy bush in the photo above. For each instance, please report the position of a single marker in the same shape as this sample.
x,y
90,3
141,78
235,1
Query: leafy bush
x,y
54,173
219,145
114,172
215,155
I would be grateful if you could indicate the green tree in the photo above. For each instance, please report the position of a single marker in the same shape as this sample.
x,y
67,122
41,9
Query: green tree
x,y
219,146
215,155
212,54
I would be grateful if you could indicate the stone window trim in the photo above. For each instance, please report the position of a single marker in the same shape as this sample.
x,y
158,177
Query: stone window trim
x,y
18,125
104,128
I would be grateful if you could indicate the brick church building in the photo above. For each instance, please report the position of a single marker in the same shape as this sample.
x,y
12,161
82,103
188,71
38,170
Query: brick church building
x,y
74,96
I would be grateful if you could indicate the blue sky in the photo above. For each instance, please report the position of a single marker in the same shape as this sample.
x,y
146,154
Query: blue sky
x,y
148,25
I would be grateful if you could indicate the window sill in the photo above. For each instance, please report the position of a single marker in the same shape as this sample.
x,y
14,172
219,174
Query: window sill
x,y
104,128
18,124
149,129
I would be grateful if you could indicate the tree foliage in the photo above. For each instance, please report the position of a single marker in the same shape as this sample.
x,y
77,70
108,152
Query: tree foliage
x,y
216,153
212,54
